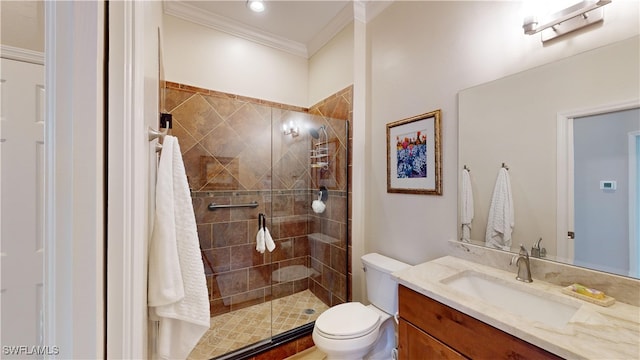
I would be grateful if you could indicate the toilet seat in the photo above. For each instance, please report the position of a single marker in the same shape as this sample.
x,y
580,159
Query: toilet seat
x,y
347,321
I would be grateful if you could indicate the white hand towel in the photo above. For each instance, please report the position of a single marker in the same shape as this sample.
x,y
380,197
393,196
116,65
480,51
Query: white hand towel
x,y
260,241
177,290
269,240
501,217
466,216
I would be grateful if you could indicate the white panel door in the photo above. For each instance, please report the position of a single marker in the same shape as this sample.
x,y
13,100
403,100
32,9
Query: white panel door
x,y
22,209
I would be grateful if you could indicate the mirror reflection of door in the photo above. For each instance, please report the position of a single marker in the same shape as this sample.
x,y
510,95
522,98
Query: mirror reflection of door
x,y
605,191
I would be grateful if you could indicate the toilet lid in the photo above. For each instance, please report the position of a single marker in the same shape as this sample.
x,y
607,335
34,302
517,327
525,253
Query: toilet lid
x,y
346,321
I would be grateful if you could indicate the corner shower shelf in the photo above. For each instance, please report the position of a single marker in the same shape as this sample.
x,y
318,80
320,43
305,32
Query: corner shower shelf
x,y
320,156
323,238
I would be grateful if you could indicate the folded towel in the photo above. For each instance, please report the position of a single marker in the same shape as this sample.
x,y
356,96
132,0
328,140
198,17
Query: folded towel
x,y
177,289
466,216
501,217
269,240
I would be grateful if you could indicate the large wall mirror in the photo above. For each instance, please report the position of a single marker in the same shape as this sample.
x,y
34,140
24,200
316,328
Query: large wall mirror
x,y
569,133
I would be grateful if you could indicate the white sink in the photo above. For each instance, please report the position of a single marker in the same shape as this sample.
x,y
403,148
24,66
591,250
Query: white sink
x,y
512,298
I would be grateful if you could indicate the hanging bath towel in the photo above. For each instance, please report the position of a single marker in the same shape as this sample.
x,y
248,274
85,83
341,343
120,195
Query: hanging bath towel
x,y
177,290
466,216
501,218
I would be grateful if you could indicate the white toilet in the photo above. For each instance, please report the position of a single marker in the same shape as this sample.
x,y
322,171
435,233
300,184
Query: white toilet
x,y
355,331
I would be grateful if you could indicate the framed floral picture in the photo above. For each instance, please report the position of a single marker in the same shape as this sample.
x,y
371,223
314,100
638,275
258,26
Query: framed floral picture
x,y
414,155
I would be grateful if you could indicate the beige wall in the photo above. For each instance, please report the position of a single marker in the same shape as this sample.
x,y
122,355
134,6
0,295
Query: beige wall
x,y
422,55
22,24
331,68
233,65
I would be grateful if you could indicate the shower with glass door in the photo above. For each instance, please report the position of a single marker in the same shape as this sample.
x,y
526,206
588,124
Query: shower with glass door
x,y
245,158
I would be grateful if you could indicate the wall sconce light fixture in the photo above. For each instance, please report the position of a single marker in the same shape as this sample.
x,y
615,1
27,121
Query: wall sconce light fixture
x,y
572,18
290,129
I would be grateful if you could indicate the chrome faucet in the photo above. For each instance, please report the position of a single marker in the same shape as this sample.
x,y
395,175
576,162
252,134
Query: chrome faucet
x,y
524,272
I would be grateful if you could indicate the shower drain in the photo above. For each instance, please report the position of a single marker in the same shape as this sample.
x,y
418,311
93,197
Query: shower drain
x,y
309,311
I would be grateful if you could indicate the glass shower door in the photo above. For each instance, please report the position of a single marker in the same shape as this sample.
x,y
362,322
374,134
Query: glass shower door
x,y
308,213
239,164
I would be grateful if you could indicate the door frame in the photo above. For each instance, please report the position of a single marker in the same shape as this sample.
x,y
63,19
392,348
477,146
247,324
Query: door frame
x,y
564,170
74,307
634,205
127,229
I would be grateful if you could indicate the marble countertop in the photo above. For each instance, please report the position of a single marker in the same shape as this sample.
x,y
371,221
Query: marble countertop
x,y
594,332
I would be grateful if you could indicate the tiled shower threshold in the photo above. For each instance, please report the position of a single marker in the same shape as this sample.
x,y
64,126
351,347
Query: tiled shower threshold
x,y
241,328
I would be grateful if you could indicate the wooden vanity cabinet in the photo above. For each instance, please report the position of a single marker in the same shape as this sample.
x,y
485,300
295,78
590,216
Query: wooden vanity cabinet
x,y
431,330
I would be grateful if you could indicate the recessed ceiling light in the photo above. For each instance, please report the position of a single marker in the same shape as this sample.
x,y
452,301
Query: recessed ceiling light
x,y
256,5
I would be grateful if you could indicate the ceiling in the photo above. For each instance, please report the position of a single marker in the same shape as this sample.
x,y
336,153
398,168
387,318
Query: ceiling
x,y
300,27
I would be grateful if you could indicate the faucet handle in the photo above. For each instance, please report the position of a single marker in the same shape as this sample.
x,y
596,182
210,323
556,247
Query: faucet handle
x,y
523,251
537,244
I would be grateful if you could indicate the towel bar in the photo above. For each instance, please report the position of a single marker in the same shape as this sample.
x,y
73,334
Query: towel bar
x,y
214,206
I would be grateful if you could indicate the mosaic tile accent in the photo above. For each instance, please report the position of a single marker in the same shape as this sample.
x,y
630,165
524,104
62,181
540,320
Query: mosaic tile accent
x,y
247,326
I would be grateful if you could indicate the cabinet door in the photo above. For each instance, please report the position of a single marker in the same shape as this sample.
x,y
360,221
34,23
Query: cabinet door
x,y
415,344
467,335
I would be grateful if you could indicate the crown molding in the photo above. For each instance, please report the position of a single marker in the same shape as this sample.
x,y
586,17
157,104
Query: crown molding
x,y
367,10
19,54
232,27
339,22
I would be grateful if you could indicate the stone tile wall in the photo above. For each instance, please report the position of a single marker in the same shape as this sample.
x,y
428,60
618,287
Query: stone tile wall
x,y
229,145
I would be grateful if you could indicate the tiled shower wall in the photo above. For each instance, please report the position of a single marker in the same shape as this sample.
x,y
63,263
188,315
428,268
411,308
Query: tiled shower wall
x,y
337,110
228,145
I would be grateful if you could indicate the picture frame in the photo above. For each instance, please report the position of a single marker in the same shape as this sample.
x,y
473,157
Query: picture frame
x,y
414,155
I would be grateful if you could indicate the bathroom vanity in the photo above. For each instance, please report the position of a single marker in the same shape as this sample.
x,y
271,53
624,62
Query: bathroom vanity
x,y
423,321
455,309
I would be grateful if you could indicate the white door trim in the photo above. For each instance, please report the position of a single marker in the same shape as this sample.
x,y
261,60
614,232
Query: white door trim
x,y
127,186
564,170
74,179
634,261
20,54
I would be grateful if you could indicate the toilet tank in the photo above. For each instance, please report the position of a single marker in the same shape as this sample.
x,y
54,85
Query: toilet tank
x,y
382,288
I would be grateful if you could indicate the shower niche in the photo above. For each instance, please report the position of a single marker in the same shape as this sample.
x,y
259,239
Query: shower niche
x,y
236,151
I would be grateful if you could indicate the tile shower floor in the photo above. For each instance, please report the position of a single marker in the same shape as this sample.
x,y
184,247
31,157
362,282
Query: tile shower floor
x,y
243,327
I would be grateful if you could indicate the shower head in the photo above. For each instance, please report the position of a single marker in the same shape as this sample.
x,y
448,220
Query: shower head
x,y
315,133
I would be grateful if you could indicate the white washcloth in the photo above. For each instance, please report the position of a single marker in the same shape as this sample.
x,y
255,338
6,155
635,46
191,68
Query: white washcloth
x,y
269,240
177,290
501,218
260,241
466,216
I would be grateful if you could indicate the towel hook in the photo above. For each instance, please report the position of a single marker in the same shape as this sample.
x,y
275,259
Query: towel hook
x,y
155,134
505,166
467,168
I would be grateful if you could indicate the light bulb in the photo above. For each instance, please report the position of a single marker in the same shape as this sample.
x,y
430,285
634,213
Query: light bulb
x,y
256,5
